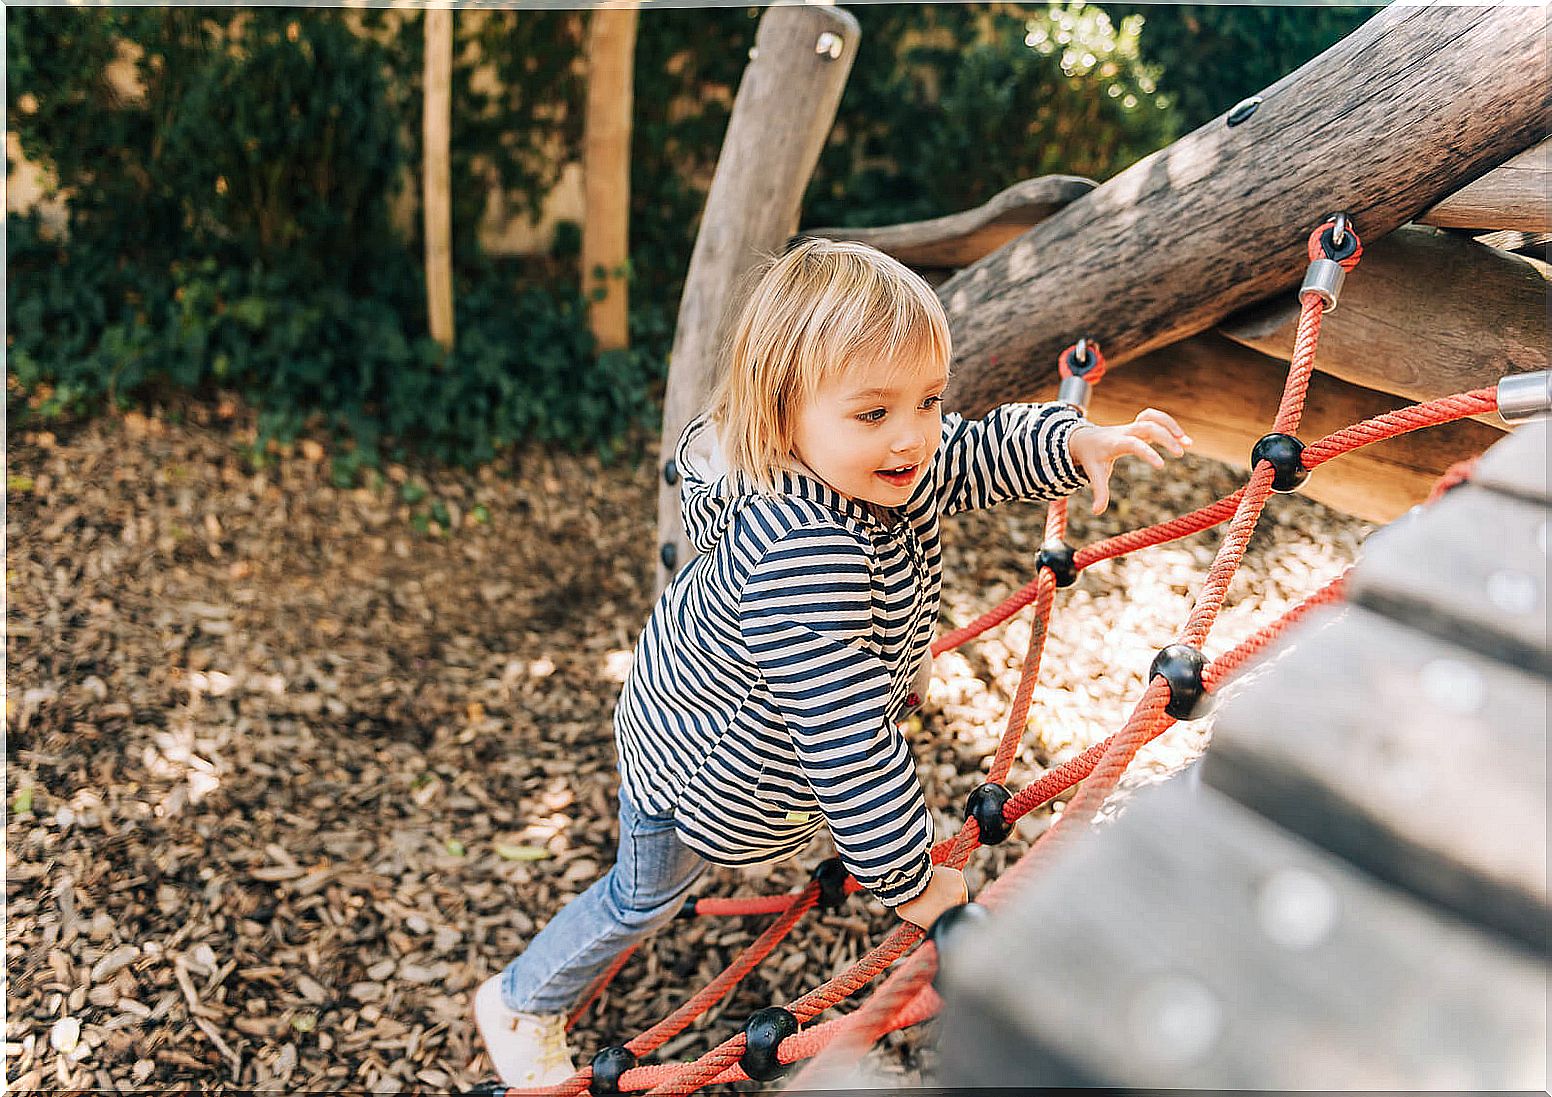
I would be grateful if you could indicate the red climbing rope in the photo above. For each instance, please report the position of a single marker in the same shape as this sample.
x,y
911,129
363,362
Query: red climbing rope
x,y
906,997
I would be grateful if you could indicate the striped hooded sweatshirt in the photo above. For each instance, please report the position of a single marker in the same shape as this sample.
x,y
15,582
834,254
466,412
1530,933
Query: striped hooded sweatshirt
x,y
765,691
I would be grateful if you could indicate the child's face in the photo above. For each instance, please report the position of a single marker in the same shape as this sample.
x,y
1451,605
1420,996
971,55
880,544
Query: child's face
x,y
864,426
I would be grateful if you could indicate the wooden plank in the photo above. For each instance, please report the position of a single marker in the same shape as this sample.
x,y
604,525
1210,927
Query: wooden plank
x,y
1226,395
1194,945
781,115
1219,220
1518,465
1426,314
1511,196
1448,802
1471,569
959,239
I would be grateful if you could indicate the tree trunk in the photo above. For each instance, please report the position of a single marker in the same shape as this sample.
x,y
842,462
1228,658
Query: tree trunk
x,y
611,47
436,129
781,115
1394,118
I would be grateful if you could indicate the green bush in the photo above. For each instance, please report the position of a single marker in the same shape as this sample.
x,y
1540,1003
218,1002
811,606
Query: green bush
x,y
236,233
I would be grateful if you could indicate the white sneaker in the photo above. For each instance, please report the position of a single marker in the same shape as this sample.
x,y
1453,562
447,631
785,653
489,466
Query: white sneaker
x,y
528,1050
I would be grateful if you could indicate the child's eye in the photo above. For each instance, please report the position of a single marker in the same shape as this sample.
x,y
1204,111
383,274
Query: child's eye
x,y
931,401
874,416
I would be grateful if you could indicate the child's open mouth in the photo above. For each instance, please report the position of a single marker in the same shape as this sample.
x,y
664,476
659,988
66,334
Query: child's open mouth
x,y
899,477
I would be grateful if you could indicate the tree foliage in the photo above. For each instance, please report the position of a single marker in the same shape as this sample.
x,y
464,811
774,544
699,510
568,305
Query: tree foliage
x,y
232,223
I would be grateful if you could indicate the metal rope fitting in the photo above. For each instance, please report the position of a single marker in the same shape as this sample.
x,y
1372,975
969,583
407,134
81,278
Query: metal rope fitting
x,y
1525,396
763,1034
1181,665
607,1066
1075,391
985,805
1324,279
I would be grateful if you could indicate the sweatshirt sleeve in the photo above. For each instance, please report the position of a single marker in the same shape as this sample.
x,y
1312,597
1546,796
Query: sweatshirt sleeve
x,y
1018,452
806,615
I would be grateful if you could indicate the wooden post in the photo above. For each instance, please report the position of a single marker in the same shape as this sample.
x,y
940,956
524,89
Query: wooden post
x,y
611,47
783,111
1427,313
436,130
1395,117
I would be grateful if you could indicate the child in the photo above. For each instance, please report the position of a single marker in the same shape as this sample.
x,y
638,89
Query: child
x,y
764,696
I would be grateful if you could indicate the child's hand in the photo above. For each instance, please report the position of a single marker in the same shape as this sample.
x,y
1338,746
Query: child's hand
x,y
1096,448
947,889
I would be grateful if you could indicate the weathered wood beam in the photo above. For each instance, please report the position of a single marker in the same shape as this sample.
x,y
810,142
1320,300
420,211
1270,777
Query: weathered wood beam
x,y
1225,396
784,108
1385,124
961,238
1427,313
1511,196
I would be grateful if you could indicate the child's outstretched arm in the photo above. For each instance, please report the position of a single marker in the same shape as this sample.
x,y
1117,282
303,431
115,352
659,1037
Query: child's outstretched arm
x,y
1017,452
1033,452
806,615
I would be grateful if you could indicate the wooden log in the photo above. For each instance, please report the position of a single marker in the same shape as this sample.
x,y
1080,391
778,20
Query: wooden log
x,y
1226,395
783,110
611,47
1307,746
1427,313
959,239
1192,946
436,132
1395,117
1511,196
1474,572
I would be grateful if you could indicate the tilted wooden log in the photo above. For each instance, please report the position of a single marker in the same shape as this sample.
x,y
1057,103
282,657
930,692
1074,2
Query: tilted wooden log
x,y
961,238
1226,397
1427,313
1511,196
784,108
1385,124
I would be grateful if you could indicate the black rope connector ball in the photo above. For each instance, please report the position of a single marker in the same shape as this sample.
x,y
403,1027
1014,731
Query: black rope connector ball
x,y
985,805
1180,665
763,1035
608,1065
671,472
669,554
832,877
1058,556
1287,456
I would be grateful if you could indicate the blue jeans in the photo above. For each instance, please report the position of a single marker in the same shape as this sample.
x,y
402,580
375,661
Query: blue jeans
x,y
645,889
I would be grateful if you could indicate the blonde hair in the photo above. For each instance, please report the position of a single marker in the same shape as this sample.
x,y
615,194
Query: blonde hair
x,y
817,311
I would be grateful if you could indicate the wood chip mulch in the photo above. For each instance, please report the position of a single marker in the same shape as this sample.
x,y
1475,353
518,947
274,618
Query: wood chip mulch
x,y
288,776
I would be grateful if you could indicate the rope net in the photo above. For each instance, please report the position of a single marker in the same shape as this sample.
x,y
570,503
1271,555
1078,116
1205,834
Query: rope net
x,y
906,996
